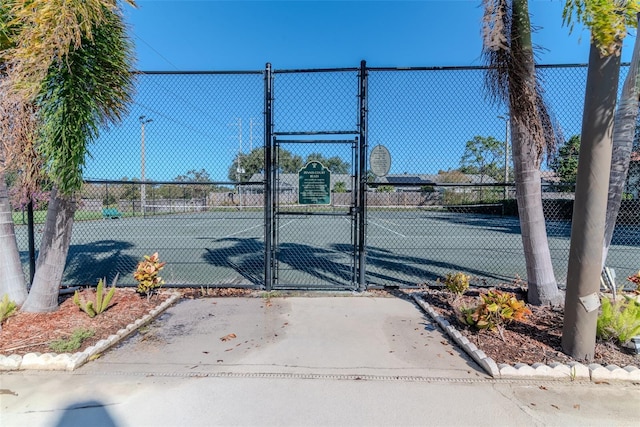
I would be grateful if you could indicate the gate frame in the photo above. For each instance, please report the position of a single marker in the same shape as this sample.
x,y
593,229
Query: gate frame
x,y
359,210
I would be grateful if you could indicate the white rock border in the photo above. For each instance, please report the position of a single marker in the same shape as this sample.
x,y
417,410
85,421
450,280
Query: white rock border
x,y
558,371
69,362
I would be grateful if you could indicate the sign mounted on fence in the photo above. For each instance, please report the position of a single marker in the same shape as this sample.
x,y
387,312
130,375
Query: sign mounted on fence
x,y
380,160
314,185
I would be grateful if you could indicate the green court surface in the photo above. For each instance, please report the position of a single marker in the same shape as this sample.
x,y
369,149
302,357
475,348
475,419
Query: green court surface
x,y
403,247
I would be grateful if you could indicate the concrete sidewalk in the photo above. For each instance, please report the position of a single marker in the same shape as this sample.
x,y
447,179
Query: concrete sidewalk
x,y
298,361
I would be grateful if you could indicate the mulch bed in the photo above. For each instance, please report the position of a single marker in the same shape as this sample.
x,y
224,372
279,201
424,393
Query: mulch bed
x,y
25,333
535,340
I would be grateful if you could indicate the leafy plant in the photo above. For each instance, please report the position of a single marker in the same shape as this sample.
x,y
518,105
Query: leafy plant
x,y
147,274
72,343
619,321
457,283
495,310
7,308
101,302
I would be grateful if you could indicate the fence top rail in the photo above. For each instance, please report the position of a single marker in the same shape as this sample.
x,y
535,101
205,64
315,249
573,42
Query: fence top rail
x,y
255,72
320,133
315,70
121,182
350,69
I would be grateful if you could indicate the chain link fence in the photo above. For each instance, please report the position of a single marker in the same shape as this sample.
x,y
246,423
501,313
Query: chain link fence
x,y
183,175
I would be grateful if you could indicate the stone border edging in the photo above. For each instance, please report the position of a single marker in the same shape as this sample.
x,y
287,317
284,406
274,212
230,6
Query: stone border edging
x,y
71,361
572,371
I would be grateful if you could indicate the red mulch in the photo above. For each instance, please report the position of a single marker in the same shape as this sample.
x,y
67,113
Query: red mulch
x,y
25,333
535,340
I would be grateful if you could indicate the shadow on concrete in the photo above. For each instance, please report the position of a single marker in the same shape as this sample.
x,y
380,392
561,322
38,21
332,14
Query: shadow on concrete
x,y
86,413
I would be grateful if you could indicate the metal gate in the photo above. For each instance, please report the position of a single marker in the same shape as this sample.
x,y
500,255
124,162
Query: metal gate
x,y
315,213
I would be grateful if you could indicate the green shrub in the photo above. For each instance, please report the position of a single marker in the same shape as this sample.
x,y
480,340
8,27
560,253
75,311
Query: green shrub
x,y
7,308
496,309
72,343
101,302
457,283
619,321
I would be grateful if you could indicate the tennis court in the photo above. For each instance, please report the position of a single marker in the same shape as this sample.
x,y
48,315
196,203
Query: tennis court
x,y
225,247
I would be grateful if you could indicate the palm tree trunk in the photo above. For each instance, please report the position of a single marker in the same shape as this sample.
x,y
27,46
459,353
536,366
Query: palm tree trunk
x,y
525,115
11,273
43,296
541,281
589,211
623,134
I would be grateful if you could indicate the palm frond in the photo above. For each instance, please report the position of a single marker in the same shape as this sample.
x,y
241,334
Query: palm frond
x,y
511,78
82,93
48,31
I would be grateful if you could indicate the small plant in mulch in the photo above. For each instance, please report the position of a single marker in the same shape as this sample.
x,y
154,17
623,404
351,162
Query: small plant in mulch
x,y
101,301
147,275
457,283
495,310
618,321
74,342
7,308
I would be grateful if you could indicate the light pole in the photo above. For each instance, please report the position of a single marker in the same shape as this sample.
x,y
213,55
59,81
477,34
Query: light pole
x,y
143,189
506,153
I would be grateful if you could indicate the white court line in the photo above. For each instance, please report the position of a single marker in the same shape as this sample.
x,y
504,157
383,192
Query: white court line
x,y
388,229
391,222
280,227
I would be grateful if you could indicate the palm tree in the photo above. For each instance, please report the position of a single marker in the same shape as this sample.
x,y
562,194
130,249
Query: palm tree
x,y
15,127
85,83
607,21
11,274
89,89
511,79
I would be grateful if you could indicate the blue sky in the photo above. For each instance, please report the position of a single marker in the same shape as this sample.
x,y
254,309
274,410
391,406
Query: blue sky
x,y
243,34
192,124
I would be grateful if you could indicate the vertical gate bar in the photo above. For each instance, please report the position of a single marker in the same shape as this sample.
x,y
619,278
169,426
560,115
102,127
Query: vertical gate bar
x,y
362,196
354,210
268,190
275,208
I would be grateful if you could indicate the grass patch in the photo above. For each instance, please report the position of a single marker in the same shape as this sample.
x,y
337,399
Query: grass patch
x,y
39,217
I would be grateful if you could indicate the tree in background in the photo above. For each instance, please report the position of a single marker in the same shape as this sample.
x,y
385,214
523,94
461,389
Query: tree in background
x,y
452,176
385,189
244,166
607,21
483,156
71,60
253,163
511,79
335,164
565,163
131,191
191,191
340,187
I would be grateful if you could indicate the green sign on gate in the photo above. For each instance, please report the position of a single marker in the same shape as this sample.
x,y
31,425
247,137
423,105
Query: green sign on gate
x,y
314,185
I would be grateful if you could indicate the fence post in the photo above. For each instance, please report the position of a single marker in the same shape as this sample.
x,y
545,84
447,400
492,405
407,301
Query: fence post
x,y
32,245
268,172
362,172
